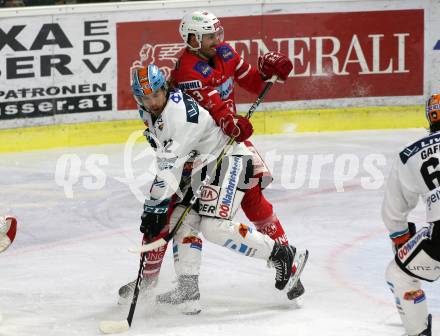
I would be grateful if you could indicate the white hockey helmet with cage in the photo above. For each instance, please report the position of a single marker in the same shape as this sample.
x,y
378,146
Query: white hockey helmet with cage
x,y
200,23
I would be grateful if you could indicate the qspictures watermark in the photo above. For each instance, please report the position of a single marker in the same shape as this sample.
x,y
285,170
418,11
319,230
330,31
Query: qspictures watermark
x,y
291,171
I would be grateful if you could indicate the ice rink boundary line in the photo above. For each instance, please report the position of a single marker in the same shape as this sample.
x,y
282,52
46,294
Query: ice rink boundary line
x,y
272,122
338,253
64,243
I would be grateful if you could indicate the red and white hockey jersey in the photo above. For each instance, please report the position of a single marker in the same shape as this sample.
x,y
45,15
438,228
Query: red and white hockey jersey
x,y
211,83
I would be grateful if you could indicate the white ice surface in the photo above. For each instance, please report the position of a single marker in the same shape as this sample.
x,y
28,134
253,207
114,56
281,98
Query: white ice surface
x,y
61,275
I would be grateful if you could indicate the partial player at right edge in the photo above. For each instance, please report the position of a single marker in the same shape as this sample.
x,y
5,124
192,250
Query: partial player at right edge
x,y
415,173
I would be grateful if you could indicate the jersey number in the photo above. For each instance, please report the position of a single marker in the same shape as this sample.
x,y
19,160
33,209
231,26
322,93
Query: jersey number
x,y
430,177
197,95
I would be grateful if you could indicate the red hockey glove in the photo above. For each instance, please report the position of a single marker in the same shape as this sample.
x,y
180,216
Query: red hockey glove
x,y
273,63
237,126
8,229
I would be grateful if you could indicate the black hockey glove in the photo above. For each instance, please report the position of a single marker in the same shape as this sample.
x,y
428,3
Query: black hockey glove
x,y
154,219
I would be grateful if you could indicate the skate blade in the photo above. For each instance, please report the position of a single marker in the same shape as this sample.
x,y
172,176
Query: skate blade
x,y
296,292
186,308
296,303
300,261
191,308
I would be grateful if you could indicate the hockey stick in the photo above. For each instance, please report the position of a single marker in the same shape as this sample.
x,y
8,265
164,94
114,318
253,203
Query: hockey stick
x,y
197,193
111,327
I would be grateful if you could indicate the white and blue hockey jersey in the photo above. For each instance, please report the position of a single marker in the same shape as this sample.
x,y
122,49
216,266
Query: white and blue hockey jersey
x,y
183,129
415,173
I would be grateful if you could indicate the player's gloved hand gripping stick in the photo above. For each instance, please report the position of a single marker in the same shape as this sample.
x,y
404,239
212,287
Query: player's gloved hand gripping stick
x,y
111,327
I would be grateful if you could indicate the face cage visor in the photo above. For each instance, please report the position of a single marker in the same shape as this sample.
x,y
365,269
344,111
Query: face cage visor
x,y
219,34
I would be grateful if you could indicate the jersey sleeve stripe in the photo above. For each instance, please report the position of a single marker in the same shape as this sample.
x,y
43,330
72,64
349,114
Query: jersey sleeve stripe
x,y
244,73
213,92
239,64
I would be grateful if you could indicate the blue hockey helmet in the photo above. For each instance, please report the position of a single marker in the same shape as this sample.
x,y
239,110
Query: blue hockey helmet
x,y
146,80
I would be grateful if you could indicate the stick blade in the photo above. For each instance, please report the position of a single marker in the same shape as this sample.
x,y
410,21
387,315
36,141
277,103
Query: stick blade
x,y
114,327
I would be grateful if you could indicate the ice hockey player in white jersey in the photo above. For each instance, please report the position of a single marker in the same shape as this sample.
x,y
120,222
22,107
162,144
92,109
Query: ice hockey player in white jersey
x,y
8,230
179,129
415,173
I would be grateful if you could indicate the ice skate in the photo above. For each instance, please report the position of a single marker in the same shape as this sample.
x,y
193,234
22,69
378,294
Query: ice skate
x,y
126,291
282,259
185,296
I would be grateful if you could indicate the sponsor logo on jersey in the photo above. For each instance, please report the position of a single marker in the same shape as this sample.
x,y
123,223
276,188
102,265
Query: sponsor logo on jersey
x,y
203,68
406,249
225,89
413,149
190,85
176,97
225,52
226,202
431,198
207,209
209,194
208,200
192,109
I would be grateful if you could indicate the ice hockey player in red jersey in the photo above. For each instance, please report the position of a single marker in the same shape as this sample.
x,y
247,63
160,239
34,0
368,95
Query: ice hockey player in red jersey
x,y
208,70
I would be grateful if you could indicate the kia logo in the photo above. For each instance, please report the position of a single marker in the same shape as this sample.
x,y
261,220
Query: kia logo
x,y
209,194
